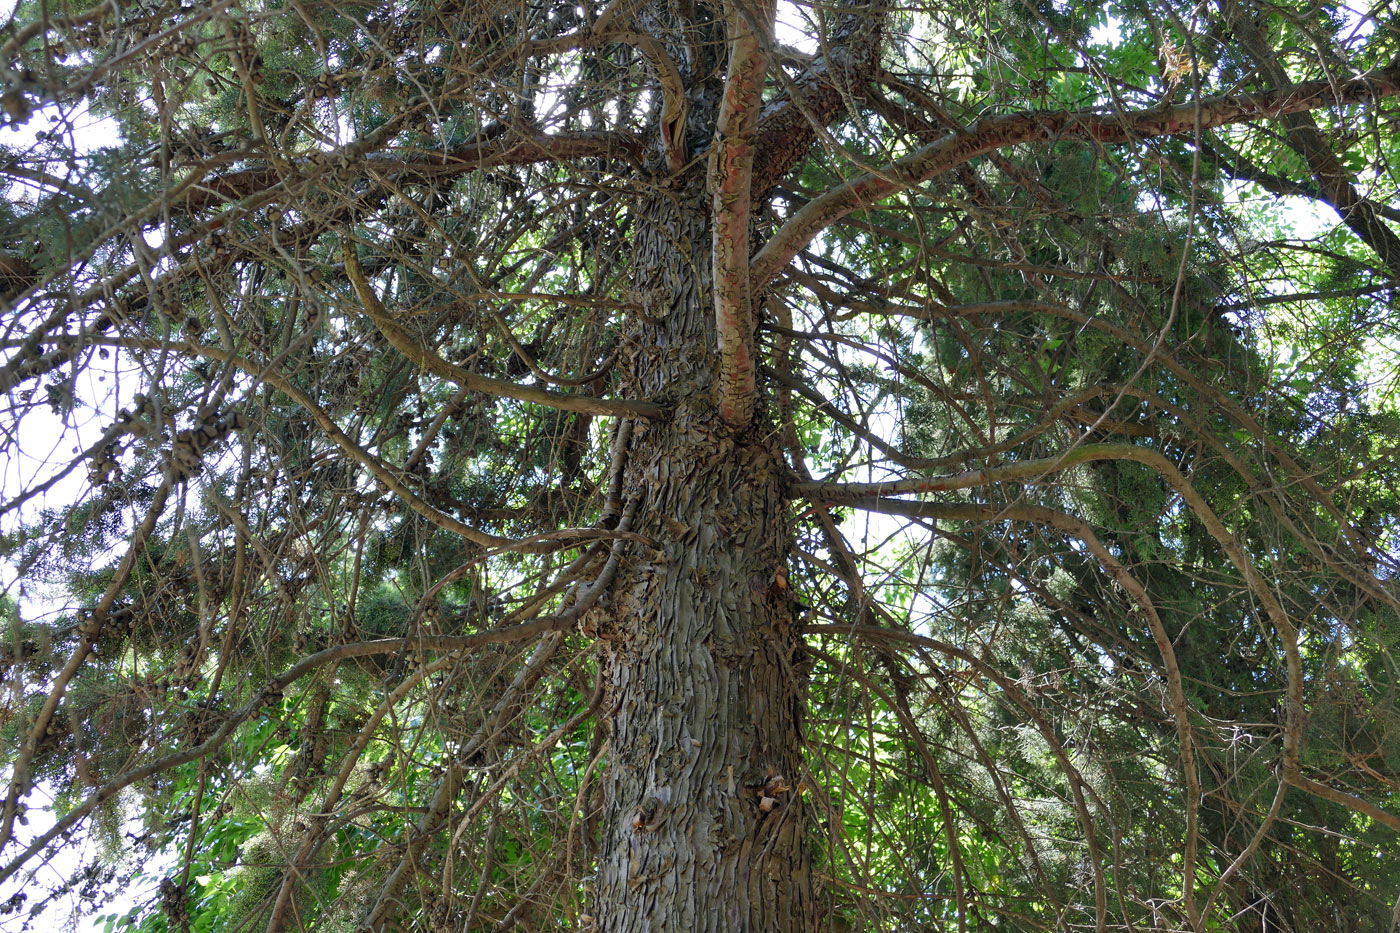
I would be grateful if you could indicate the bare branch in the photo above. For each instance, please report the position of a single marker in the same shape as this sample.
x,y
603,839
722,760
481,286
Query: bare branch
x,y
418,166
1021,470
424,358
236,718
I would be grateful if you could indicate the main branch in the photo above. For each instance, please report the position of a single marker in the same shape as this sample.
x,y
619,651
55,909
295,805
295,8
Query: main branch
x,y
995,133
730,182
791,123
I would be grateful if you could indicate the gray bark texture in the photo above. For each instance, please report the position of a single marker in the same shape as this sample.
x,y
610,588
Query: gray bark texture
x,y
705,826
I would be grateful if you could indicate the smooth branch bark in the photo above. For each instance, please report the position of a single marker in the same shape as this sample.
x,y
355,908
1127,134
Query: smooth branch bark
x,y
998,132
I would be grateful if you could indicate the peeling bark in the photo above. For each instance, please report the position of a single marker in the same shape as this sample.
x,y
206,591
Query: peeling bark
x,y
788,126
701,652
730,179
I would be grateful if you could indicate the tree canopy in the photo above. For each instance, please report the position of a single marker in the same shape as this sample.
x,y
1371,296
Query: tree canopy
x,y
700,465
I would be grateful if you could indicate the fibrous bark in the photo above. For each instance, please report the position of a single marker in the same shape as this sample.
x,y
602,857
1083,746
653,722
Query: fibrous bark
x,y
705,826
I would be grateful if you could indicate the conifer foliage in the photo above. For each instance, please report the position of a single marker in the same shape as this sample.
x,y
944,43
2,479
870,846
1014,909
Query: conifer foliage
x,y
688,465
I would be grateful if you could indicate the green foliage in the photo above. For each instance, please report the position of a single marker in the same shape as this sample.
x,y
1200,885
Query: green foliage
x,y
236,674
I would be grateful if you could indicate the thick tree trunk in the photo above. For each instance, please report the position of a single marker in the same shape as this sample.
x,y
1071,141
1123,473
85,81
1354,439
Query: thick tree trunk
x,y
704,827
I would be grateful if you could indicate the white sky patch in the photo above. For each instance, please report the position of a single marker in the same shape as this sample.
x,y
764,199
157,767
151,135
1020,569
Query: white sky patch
x,y
1110,33
43,143
794,29
1361,23
1305,218
46,439
55,871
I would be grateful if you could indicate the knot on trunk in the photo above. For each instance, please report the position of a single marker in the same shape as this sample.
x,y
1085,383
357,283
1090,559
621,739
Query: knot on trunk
x,y
652,813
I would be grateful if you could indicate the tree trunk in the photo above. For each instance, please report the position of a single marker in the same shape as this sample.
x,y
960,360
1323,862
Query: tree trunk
x,y
704,827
